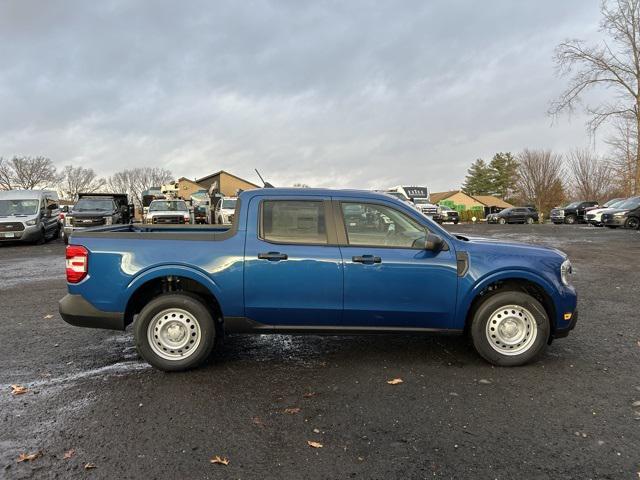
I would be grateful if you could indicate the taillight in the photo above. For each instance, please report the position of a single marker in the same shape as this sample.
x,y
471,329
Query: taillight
x,y
77,263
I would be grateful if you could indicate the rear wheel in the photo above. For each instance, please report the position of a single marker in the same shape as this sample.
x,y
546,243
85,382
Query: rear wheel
x,y
174,332
510,328
632,223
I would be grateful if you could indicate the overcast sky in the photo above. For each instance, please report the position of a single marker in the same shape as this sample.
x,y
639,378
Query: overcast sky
x,y
344,93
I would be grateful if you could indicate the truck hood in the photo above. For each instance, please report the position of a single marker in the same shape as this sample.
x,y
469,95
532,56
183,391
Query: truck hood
x,y
91,213
18,218
507,247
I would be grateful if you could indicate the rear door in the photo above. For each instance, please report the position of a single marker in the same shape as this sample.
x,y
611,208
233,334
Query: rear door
x,y
389,279
293,267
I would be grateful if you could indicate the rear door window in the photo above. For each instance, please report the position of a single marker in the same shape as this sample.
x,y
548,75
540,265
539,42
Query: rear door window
x,y
293,221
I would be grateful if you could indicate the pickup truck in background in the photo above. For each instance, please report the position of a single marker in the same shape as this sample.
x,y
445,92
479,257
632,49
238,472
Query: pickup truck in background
x,y
312,261
575,212
97,209
175,212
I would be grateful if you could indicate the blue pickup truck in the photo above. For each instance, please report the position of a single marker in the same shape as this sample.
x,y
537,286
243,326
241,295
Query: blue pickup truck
x,y
315,261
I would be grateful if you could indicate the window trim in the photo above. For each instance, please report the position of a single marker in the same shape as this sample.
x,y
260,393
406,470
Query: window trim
x,y
344,236
329,225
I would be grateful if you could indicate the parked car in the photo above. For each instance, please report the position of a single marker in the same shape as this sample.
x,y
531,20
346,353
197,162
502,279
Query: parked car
x,y
200,214
626,215
225,209
316,261
594,217
514,215
448,215
575,212
97,209
174,212
29,216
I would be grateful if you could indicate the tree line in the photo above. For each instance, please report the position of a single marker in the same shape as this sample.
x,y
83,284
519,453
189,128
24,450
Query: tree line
x,y
546,179
39,172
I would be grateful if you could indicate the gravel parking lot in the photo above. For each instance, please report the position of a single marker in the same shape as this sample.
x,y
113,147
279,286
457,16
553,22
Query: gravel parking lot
x,y
261,399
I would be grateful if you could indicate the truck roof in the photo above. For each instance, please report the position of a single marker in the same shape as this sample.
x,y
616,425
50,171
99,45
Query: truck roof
x,y
368,194
25,194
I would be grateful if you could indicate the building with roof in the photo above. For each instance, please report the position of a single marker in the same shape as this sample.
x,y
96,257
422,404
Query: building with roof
x,y
224,183
460,201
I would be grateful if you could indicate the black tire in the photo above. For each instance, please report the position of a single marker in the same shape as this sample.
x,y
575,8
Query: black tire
x,y
632,223
194,307
455,222
42,238
502,221
570,219
56,234
489,308
529,220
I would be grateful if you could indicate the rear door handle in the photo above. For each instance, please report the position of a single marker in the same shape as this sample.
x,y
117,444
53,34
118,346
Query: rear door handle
x,y
367,259
273,256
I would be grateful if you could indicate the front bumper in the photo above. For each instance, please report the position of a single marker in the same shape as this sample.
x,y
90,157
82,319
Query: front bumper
x,y
29,234
563,332
77,311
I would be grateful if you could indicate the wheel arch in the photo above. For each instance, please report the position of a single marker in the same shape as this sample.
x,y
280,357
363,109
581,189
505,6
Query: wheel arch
x,y
172,279
528,282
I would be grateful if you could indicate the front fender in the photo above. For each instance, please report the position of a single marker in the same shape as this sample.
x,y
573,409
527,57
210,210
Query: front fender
x,y
508,274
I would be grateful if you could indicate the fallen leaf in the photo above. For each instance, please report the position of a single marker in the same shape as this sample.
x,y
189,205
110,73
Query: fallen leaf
x,y
309,394
18,389
314,444
68,454
257,421
47,317
89,466
219,460
395,381
292,410
29,457
484,381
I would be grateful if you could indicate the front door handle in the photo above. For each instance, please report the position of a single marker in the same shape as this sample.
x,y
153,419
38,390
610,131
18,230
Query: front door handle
x,y
272,256
367,259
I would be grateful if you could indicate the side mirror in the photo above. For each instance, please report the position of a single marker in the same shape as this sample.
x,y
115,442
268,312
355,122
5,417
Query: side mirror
x,y
433,243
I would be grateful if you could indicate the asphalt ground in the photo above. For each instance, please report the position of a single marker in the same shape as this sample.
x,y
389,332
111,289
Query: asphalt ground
x,y
260,399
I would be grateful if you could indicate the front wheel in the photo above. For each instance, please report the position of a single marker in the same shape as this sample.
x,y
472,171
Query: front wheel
x,y
174,332
502,221
529,220
510,328
570,219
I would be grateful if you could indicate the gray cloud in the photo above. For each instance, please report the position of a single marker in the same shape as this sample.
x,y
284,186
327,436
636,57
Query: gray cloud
x,y
361,94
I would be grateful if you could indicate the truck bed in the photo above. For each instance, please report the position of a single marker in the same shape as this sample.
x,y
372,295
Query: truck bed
x,y
144,231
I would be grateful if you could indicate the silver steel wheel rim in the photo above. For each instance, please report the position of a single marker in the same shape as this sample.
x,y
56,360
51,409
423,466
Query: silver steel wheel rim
x,y
511,330
174,334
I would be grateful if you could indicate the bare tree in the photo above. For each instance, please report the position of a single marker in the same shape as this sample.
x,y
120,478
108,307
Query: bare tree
x,y
540,174
76,180
6,182
623,145
28,173
615,65
591,176
137,180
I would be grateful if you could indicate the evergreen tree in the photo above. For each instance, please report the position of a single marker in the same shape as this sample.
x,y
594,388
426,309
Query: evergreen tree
x,y
504,175
478,179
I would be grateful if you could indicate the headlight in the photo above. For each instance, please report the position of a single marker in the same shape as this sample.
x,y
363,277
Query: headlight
x,y
565,272
31,222
108,220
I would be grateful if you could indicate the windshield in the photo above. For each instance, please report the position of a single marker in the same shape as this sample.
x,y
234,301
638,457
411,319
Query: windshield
x,y
573,205
229,203
167,205
421,201
18,207
630,203
94,204
614,202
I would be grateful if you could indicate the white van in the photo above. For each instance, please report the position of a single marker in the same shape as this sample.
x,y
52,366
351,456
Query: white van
x,y
29,216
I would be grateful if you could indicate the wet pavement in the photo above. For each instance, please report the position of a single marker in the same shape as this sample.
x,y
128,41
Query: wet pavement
x,y
260,399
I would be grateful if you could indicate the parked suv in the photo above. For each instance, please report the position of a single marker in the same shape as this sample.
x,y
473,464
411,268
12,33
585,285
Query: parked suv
x,y
96,210
514,215
594,217
573,213
626,215
29,216
448,215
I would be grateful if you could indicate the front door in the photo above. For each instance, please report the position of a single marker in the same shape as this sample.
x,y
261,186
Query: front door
x,y
293,267
390,280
